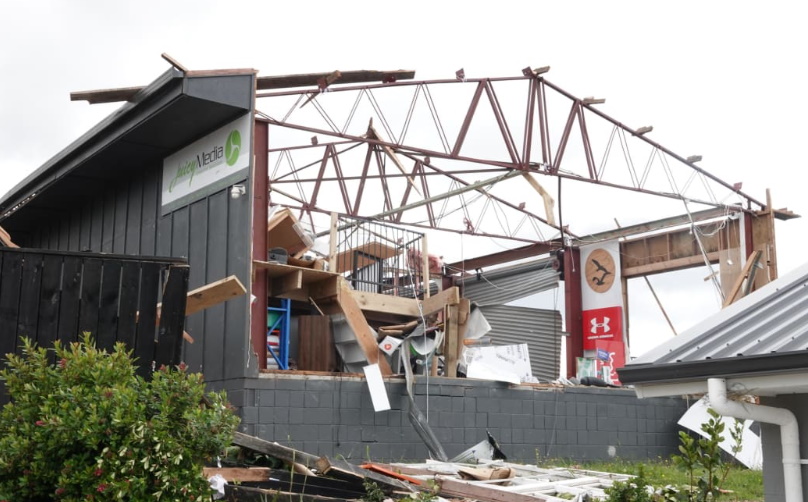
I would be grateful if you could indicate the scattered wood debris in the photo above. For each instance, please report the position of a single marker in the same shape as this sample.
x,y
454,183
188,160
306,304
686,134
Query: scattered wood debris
x,y
337,479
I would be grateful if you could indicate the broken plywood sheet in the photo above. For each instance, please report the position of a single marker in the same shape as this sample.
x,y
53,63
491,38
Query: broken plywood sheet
x,y
363,255
284,231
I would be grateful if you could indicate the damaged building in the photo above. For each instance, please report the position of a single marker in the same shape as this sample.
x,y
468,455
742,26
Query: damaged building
x,y
343,273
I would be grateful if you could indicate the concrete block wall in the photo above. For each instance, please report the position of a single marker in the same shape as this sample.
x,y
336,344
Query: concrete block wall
x,y
335,416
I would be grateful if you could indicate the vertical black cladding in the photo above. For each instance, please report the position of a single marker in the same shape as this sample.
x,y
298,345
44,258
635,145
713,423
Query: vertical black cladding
x,y
133,216
197,253
53,295
49,300
216,318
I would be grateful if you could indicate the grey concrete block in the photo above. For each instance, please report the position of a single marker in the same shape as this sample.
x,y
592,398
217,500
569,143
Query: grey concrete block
x,y
469,420
282,398
369,434
440,403
265,431
382,418
627,425
237,398
607,424
522,421
499,420
296,415
317,416
367,416
302,432
263,383
297,399
482,420
281,433
249,414
488,405
631,411
290,384
511,406
328,433
576,423
479,391
642,426
316,384
311,399
350,400
591,423
348,417
627,438
274,415
539,408
458,404
583,438
581,409
265,397
247,429
452,390
527,406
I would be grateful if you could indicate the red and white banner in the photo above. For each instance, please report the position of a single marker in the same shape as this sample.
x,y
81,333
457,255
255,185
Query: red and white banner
x,y
602,302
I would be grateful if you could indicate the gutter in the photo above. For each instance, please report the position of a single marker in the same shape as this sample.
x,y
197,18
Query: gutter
x,y
789,431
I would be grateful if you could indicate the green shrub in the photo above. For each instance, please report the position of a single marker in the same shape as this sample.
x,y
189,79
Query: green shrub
x,y
89,428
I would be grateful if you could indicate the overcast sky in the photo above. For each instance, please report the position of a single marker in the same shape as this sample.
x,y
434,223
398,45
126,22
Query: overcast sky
x,y
725,80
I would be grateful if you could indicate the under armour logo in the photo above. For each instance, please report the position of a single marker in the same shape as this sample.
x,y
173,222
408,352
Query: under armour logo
x,y
602,325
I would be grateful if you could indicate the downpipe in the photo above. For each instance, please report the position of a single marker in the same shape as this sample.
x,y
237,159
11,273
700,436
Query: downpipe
x,y
789,431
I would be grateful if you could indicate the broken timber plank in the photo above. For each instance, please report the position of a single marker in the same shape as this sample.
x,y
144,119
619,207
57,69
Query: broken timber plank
x,y
342,469
451,342
547,199
214,293
289,455
360,327
451,487
449,296
5,239
239,474
387,304
751,263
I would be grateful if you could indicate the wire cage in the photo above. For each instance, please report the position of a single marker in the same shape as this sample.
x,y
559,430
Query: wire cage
x,y
380,258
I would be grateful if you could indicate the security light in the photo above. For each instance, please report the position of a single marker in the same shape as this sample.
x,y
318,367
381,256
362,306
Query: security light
x,y
237,191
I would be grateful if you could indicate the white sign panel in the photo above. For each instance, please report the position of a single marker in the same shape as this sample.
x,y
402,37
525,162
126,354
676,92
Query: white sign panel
x,y
600,275
209,164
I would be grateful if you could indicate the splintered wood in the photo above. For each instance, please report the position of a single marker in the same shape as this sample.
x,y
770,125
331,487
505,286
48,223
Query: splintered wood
x,y
337,479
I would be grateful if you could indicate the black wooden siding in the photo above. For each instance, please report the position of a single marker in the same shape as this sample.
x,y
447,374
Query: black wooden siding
x,y
213,233
55,295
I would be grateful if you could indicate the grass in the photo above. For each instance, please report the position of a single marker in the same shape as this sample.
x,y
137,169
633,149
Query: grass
x,y
745,484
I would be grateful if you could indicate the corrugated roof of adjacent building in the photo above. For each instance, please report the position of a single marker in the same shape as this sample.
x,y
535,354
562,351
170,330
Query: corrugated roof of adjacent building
x,y
766,331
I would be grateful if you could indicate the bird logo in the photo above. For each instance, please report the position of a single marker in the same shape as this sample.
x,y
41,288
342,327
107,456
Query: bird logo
x,y
600,270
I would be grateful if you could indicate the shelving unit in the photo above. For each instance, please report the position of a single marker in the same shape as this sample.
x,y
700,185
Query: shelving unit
x,y
278,319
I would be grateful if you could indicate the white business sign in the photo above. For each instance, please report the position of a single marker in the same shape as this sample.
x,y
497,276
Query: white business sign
x,y
207,165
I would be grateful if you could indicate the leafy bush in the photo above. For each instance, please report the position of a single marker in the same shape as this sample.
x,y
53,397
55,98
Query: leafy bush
x,y
89,428
633,490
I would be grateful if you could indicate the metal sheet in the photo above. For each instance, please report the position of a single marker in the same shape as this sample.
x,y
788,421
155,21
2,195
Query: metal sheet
x,y
541,330
770,323
505,285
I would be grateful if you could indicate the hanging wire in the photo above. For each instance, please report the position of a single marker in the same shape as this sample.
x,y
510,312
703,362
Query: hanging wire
x,y
695,231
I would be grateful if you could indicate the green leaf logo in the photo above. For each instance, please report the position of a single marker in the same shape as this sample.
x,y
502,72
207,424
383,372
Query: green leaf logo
x,y
232,147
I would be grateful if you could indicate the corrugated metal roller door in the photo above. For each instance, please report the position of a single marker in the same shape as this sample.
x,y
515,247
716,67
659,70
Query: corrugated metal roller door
x,y
540,329
502,286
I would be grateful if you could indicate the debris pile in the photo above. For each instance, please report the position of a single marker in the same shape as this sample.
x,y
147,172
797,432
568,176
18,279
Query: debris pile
x,y
306,477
